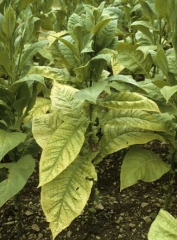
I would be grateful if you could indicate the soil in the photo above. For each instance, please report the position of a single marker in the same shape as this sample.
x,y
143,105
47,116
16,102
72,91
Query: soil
x,y
118,215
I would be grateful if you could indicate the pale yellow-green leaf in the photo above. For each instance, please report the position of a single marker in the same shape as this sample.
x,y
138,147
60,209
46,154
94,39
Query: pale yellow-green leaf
x,y
61,149
18,173
9,140
41,106
61,75
164,227
62,98
117,67
53,36
134,118
44,126
64,198
129,100
141,164
116,138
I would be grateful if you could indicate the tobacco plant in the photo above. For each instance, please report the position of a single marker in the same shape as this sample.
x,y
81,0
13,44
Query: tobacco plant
x,y
93,113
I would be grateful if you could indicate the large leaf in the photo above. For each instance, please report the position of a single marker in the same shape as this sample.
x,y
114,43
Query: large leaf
x,y
141,164
61,149
133,59
64,198
133,118
56,74
128,100
43,126
163,227
18,174
9,140
116,138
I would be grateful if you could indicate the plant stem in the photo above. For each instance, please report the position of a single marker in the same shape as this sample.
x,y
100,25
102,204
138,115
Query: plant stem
x,y
17,204
171,182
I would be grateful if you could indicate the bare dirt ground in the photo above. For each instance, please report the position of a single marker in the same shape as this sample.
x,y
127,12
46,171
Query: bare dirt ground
x,y
119,215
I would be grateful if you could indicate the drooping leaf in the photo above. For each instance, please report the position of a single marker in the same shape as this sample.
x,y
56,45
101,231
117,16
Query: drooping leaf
x,y
18,174
163,227
61,75
61,149
91,93
115,138
64,197
133,59
141,164
31,51
9,140
133,118
128,100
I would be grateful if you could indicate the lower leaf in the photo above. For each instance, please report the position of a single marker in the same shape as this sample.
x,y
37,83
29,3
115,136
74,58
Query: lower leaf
x,y
64,198
164,227
141,164
19,173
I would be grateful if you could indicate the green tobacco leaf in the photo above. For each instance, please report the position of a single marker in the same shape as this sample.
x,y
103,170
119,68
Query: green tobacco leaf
x,y
147,10
9,140
163,227
61,149
69,51
168,92
9,22
128,100
141,164
116,138
74,21
91,94
31,51
160,8
27,79
133,59
44,126
56,74
161,61
18,174
62,98
64,198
